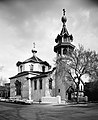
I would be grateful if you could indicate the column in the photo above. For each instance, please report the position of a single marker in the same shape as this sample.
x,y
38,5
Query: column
x,y
47,92
29,88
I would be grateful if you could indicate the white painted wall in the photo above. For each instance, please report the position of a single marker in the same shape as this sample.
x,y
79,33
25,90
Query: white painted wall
x,y
36,67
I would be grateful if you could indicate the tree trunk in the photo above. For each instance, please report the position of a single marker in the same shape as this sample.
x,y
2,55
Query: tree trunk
x,y
77,93
78,90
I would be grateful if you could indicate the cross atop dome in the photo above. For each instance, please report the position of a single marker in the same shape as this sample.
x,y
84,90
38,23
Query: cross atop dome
x,y
34,45
34,50
64,11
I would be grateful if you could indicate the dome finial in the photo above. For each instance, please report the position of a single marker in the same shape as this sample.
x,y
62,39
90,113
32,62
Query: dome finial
x,y
34,50
34,45
64,19
64,12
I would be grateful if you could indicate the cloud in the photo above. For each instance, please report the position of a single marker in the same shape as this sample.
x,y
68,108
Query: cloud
x,y
94,2
23,22
20,14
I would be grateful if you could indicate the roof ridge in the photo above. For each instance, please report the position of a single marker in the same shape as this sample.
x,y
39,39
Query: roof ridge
x,y
36,58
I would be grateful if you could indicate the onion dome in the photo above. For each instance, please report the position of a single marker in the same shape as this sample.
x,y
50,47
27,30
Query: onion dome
x,y
34,50
64,19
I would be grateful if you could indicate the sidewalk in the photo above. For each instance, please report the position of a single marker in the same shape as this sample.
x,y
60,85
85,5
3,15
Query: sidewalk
x,y
71,104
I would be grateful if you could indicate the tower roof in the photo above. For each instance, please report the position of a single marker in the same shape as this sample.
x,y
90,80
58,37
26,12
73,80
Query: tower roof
x,y
63,39
64,32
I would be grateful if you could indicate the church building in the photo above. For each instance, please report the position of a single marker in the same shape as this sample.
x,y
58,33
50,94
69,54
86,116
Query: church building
x,y
35,79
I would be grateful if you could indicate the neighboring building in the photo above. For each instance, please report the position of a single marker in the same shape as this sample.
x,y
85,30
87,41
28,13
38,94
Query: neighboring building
x,y
2,91
5,90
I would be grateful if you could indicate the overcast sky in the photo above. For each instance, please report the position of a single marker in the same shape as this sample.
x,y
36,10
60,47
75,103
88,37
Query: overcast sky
x,y
23,22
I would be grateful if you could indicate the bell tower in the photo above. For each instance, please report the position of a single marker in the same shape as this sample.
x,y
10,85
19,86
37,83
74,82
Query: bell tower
x,y
64,47
63,40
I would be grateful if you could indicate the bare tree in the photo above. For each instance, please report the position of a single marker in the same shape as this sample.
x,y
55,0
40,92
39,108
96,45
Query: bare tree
x,y
80,62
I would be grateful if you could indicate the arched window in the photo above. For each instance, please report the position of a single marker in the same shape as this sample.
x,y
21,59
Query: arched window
x,y
43,68
50,83
58,90
18,87
31,67
81,88
40,83
21,68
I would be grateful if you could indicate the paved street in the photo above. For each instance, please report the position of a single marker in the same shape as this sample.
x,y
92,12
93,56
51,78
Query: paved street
x,y
11,111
